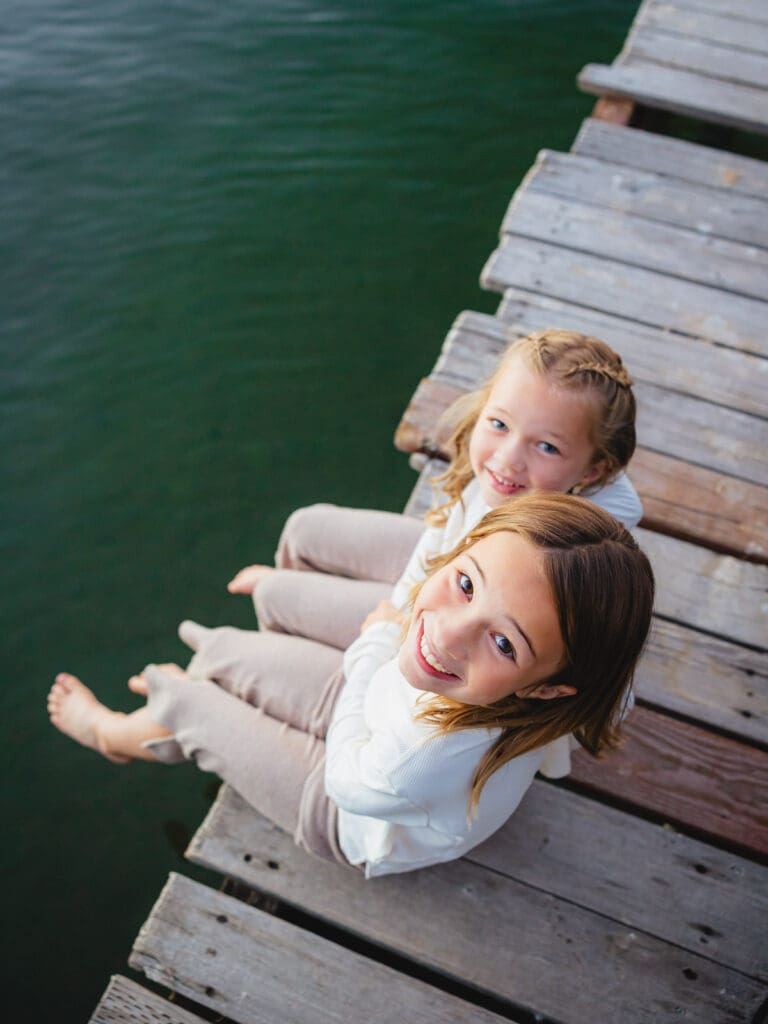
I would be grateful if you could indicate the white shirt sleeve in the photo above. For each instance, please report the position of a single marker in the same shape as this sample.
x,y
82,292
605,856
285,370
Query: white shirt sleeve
x,y
429,545
619,498
358,754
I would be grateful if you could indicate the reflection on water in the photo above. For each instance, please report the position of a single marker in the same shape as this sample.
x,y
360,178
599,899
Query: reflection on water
x,y
233,237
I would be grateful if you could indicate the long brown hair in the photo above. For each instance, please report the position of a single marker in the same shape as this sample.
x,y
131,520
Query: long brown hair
x,y
575,362
603,588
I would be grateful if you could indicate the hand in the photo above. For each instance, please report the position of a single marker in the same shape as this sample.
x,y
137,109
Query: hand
x,y
384,611
246,581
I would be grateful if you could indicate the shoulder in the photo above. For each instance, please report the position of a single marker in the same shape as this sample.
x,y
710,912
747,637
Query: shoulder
x,y
620,498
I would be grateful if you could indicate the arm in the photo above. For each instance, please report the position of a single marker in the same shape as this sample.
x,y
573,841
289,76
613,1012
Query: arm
x,y
429,545
360,755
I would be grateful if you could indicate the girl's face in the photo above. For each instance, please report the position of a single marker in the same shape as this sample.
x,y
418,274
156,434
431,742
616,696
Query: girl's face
x,y
531,435
485,625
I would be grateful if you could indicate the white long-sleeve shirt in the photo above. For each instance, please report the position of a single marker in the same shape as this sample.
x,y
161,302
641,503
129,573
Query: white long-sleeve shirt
x,y
402,789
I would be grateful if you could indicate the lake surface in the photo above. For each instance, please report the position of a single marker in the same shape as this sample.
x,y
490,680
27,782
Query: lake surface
x,y
234,237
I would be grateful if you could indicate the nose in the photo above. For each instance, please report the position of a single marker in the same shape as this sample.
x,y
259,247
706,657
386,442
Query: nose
x,y
512,452
452,630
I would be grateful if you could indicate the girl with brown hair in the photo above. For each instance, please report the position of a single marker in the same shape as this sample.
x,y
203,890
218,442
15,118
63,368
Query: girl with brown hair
x,y
420,742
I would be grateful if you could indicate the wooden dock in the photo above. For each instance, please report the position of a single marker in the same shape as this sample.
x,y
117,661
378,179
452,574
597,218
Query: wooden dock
x,y
637,890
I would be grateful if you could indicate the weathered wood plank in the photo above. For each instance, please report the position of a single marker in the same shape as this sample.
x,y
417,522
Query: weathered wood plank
x,y
713,785
711,680
681,499
683,92
634,293
565,844
709,211
702,506
706,57
711,21
258,969
498,934
647,876
751,14
125,1002
717,438
715,593
674,158
714,681
695,367
676,252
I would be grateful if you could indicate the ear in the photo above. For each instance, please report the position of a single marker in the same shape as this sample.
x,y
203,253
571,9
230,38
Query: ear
x,y
544,692
593,473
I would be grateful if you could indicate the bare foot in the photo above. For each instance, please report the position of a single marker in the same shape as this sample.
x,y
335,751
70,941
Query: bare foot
x,y
76,712
138,683
246,581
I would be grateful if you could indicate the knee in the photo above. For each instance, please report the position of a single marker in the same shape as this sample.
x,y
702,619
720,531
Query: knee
x,y
266,600
300,534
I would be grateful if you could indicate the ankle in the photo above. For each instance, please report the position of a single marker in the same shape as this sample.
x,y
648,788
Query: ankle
x,y
105,730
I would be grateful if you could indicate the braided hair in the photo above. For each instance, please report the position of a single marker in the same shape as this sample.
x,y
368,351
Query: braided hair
x,y
572,361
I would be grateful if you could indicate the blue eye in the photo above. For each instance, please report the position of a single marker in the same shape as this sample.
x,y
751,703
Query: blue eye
x,y
497,424
465,584
504,646
548,448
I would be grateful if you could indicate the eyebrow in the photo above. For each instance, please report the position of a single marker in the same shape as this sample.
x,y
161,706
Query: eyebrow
x,y
514,621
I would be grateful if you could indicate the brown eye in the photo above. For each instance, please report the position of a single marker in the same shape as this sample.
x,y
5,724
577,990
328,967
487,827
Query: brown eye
x,y
465,584
504,646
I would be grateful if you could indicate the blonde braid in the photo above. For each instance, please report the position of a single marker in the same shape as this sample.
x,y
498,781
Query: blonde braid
x,y
617,374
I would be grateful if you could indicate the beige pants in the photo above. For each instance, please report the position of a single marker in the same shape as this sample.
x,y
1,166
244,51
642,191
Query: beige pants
x,y
258,707
334,566
256,712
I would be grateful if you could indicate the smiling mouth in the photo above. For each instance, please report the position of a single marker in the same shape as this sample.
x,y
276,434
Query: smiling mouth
x,y
429,661
501,483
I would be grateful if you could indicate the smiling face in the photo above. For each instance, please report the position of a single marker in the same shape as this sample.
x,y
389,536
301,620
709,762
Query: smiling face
x,y
531,435
485,626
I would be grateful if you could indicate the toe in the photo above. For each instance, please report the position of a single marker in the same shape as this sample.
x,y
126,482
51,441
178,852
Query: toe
x,y
192,633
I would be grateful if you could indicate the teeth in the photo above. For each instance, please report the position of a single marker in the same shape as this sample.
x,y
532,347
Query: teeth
x,y
430,658
504,481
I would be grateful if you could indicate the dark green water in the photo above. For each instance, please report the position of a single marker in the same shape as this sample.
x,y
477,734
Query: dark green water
x,y
233,238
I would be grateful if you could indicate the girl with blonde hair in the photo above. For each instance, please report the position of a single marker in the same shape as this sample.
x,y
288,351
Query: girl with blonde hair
x,y
558,414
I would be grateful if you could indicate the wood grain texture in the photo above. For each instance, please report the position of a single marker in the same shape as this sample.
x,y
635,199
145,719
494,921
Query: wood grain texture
x,y
713,681
632,292
673,158
642,874
690,366
695,779
702,506
667,884
714,212
498,934
707,57
716,593
709,20
125,1002
683,92
677,252
258,969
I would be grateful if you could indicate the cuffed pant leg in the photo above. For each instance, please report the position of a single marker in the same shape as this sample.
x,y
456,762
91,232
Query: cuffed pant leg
x,y
277,769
